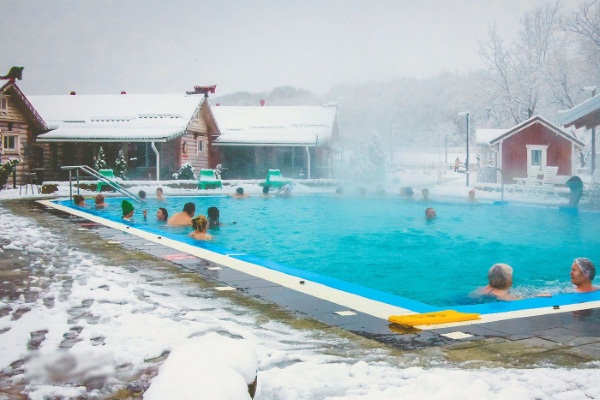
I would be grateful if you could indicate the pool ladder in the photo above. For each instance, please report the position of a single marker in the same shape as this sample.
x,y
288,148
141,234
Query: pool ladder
x,y
101,178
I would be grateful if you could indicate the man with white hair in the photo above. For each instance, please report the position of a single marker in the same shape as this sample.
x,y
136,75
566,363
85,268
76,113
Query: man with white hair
x,y
582,274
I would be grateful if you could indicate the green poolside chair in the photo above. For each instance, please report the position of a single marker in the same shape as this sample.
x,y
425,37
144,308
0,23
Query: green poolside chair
x,y
208,180
108,174
275,179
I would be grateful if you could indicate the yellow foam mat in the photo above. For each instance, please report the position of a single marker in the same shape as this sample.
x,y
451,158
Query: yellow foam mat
x,y
438,317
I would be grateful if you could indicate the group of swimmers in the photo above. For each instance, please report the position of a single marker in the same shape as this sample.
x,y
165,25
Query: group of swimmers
x,y
500,277
199,223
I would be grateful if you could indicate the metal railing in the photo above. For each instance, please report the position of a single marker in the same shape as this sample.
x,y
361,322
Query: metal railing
x,y
99,177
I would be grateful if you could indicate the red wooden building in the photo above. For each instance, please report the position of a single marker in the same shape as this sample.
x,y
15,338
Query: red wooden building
x,y
535,142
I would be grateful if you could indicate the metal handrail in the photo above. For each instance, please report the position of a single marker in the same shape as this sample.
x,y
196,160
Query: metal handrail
x,y
99,177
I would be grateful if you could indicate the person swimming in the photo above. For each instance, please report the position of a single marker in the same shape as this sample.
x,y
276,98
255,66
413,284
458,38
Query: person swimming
x,y
499,283
239,193
582,274
200,225
430,213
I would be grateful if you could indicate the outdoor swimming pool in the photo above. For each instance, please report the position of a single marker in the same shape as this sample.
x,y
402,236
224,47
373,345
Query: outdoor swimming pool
x,y
385,243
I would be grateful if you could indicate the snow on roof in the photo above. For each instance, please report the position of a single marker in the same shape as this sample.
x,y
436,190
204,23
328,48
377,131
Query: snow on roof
x,y
584,114
124,118
533,120
274,125
485,136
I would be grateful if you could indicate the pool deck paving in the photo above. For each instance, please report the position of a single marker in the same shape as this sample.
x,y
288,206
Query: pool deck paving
x,y
570,338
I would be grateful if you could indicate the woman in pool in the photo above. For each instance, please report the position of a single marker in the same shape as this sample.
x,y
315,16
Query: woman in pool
x,y
160,194
200,225
162,214
499,283
79,200
582,274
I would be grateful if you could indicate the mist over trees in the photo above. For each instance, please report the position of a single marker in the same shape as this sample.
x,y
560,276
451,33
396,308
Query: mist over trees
x,y
550,66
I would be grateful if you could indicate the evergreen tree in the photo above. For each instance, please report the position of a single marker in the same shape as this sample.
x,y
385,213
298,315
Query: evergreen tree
x,y
121,165
7,169
100,162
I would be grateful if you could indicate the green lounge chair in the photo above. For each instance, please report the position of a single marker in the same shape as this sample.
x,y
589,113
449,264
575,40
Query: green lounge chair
x,y
275,179
108,174
208,180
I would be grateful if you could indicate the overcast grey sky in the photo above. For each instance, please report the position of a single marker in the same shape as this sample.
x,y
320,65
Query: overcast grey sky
x,y
150,46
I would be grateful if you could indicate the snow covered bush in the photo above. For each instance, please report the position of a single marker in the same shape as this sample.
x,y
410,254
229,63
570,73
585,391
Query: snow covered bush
x,y
6,169
185,172
121,166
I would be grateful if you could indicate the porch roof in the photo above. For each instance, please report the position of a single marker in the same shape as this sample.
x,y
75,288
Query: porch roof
x,y
274,125
116,118
584,114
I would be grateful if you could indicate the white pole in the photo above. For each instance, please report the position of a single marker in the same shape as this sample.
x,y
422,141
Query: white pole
x,y
157,161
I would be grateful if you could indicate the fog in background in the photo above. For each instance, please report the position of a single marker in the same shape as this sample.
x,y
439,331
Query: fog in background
x,y
400,70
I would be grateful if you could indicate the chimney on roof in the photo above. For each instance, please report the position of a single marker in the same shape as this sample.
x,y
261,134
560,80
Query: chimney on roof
x,y
72,93
123,92
262,102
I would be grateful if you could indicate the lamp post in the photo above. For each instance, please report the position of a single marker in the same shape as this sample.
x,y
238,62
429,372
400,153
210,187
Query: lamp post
x,y
467,160
593,90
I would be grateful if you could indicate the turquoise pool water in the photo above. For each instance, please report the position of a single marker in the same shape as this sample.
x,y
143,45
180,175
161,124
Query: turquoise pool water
x,y
386,244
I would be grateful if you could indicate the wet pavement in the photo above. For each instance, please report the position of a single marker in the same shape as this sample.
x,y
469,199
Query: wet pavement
x,y
561,339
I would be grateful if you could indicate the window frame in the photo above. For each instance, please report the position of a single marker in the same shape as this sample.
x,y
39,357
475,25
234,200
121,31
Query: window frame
x,y
3,104
543,149
10,150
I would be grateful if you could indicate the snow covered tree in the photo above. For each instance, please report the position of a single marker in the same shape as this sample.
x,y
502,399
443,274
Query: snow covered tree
x,y
100,162
523,78
585,25
6,170
121,165
185,172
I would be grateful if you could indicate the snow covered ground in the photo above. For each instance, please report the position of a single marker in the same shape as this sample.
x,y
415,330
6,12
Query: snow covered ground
x,y
86,325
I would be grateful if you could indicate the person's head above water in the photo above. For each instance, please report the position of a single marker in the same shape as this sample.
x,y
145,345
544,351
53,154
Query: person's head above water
x,y
189,209
200,223
127,208
142,194
430,213
213,213
582,274
500,276
79,200
239,190
162,214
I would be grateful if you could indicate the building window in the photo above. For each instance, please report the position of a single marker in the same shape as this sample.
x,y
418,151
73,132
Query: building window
x,y
10,143
199,146
4,104
537,156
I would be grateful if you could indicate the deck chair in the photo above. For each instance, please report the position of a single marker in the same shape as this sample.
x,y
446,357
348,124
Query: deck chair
x,y
108,174
208,180
275,179
546,188
526,184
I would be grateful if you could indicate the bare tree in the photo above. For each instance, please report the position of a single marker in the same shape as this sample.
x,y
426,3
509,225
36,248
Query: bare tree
x,y
585,24
529,76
